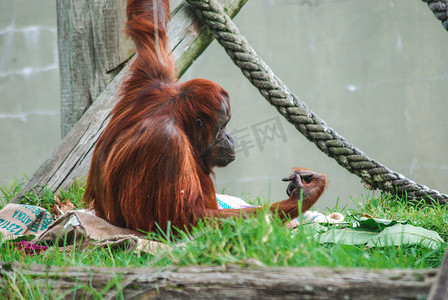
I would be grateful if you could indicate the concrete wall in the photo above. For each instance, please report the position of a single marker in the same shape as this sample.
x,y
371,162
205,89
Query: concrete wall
x,y
375,71
29,86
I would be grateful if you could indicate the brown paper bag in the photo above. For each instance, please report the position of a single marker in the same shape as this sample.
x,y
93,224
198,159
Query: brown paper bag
x,y
76,225
17,220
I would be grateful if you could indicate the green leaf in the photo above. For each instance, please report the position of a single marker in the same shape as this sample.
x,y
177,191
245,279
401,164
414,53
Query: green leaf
x,y
348,236
377,224
399,235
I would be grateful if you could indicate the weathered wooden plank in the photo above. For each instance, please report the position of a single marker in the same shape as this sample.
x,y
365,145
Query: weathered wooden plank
x,y
71,159
230,282
92,45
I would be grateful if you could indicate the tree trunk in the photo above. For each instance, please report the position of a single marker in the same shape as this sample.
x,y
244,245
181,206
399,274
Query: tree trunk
x,y
71,159
226,282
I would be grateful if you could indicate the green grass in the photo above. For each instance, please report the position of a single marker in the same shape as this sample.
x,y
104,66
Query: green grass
x,y
46,198
263,240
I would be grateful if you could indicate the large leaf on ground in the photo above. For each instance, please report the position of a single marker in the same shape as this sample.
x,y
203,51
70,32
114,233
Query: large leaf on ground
x,y
399,234
378,224
347,236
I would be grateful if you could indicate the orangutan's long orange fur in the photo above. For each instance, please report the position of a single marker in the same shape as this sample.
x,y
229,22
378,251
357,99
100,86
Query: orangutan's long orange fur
x,y
146,167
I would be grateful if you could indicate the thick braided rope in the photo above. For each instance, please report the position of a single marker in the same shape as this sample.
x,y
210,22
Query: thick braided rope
x,y
440,10
372,173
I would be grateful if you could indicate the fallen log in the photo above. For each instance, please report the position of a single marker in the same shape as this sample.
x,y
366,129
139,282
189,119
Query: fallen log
x,y
71,159
224,282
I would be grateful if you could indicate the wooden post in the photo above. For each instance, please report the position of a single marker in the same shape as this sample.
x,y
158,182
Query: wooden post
x,y
71,159
439,290
92,46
